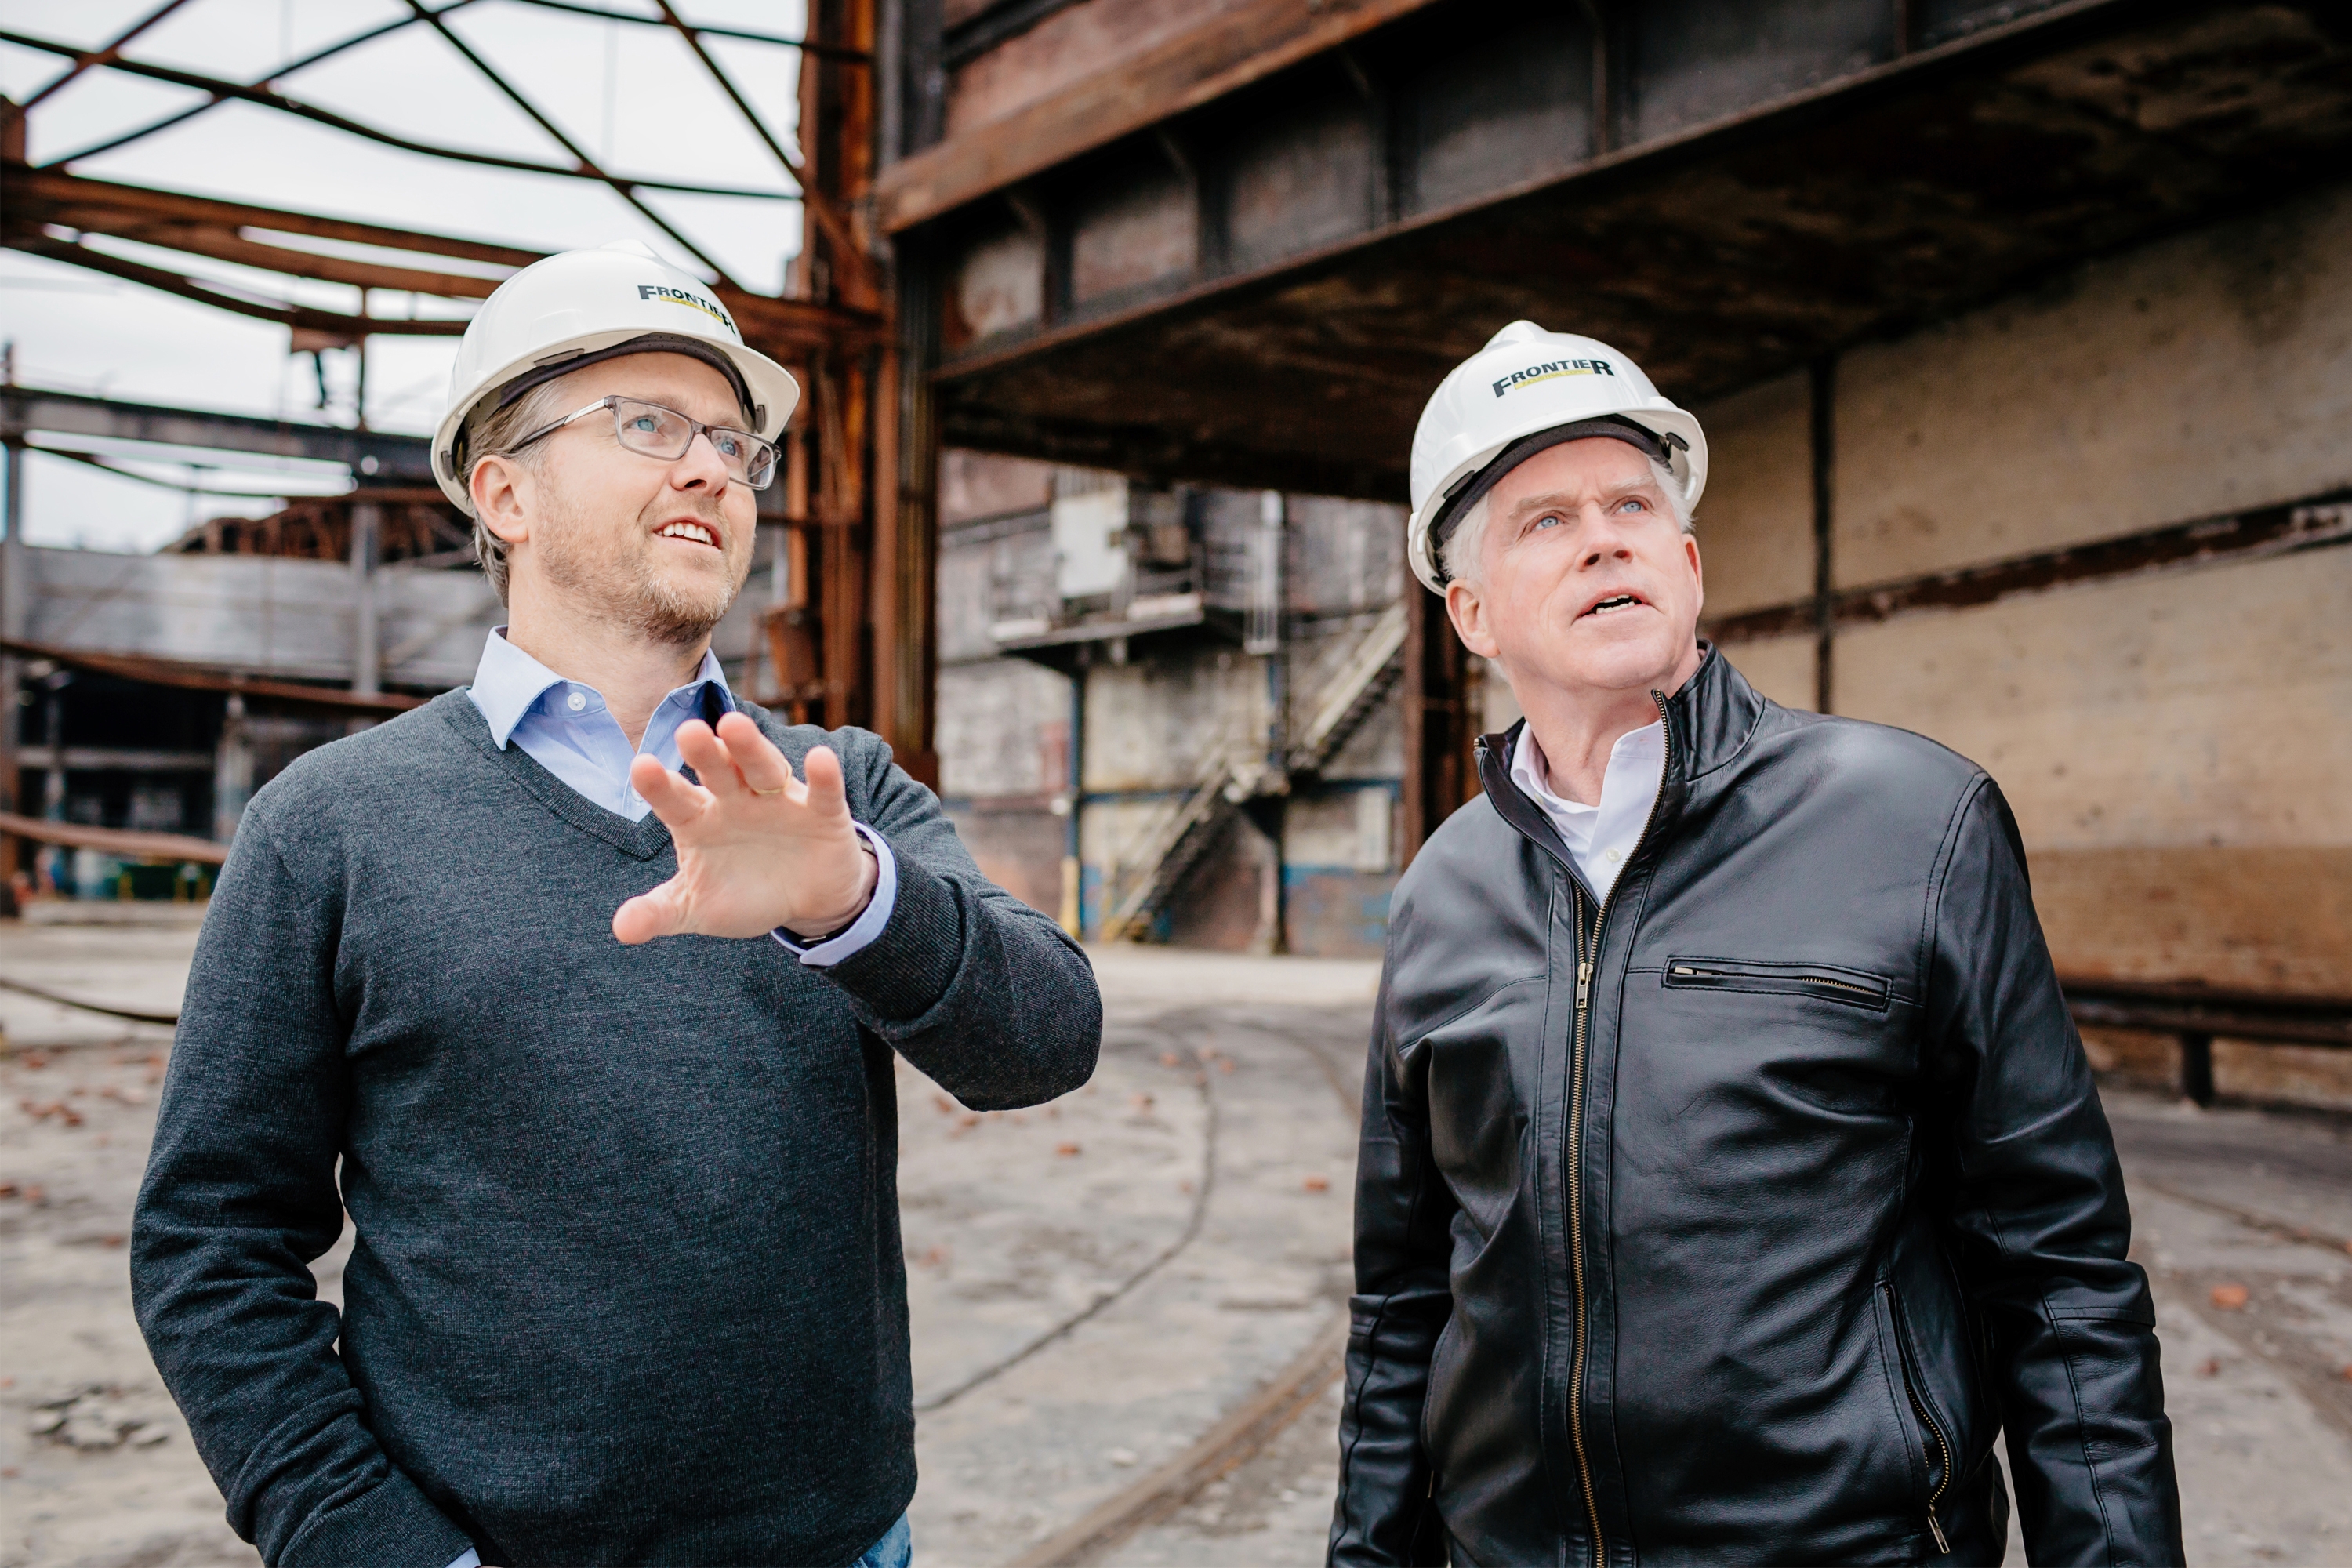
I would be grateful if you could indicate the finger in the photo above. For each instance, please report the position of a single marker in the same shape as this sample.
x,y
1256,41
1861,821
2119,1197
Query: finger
x,y
660,912
709,756
828,794
763,766
674,800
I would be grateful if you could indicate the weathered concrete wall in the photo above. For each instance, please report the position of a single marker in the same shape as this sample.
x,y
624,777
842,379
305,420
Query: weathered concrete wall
x,y
1154,726
2176,745
1755,523
1782,669
2209,372
1003,730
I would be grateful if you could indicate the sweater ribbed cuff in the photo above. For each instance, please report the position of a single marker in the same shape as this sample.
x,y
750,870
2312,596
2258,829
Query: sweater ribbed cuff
x,y
390,1526
902,974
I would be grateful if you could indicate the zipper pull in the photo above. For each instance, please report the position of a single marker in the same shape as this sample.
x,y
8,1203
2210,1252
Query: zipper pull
x,y
1936,1531
1583,985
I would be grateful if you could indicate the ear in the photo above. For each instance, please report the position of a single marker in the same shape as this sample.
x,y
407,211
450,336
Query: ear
x,y
1468,613
1699,569
504,497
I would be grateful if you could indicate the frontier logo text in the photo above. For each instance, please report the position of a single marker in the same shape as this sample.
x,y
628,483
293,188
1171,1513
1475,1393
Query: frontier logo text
x,y
1559,367
680,297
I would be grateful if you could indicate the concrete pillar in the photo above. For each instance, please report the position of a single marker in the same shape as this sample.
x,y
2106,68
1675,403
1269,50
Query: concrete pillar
x,y
12,625
232,772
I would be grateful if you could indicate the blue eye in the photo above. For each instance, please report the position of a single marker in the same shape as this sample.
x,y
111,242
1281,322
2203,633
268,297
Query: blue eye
x,y
646,423
729,444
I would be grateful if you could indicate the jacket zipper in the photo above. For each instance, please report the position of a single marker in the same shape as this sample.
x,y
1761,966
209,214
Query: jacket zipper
x,y
1943,1450
1584,967
1869,990
1928,1420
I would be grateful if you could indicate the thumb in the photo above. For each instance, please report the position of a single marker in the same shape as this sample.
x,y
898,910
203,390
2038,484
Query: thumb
x,y
660,911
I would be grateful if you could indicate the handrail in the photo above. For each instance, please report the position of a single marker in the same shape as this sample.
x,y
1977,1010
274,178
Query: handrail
x,y
2195,1013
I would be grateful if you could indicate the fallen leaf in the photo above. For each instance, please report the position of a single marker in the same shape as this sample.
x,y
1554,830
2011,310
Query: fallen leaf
x,y
2231,1298
947,1106
7,1189
2209,1367
1224,1064
1170,1059
1317,1183
1068,1151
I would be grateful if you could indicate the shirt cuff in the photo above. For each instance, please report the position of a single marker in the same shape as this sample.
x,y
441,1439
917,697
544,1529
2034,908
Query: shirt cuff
x,y
472,1559
867,926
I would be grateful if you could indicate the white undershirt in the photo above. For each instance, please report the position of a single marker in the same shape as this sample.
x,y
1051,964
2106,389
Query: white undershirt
x,y
1599,837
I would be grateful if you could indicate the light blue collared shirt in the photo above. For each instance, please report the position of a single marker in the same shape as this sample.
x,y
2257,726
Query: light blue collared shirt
x,y
565,728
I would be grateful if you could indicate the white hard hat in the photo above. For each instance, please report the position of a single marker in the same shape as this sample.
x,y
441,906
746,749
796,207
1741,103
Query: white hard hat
x,y
568,311
1524,383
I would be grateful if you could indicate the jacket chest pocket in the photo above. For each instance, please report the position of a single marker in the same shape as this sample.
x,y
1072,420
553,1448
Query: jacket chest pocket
x,y
1826,982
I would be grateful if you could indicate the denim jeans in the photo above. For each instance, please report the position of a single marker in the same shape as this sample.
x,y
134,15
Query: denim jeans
x,y
894,1550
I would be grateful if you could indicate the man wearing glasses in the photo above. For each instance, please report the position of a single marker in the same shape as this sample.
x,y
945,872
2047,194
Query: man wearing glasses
x,y
627,1284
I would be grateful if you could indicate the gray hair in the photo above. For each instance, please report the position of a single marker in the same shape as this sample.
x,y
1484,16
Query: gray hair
x,y
1461,551
492,432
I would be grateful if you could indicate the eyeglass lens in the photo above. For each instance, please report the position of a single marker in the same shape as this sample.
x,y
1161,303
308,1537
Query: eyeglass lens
x,y
665,432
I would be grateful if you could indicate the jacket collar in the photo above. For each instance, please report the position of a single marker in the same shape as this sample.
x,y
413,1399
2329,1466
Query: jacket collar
x,y
1708,722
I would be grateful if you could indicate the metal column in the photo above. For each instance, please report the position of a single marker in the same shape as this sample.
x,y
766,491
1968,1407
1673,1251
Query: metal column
x,y
367,524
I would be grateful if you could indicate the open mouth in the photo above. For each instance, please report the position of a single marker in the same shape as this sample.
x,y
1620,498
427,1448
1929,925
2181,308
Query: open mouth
x,y
691,532
1613,604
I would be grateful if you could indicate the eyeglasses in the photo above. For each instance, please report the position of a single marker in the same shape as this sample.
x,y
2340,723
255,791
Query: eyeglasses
x,y
665,432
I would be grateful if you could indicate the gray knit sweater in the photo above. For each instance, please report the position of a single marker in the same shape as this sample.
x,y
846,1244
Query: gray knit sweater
x,y
628,1286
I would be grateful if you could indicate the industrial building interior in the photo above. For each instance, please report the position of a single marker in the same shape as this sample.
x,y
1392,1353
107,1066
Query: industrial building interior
x,y
2021,333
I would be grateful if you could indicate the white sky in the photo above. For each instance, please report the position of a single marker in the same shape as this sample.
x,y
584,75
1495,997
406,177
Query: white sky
x,y
632,96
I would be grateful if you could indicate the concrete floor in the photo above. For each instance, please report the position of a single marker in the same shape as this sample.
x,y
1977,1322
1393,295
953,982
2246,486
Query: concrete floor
x,y
1096,1284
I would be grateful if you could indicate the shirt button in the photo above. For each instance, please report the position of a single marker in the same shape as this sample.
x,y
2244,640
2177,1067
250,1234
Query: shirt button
x,y
1614,856
576,701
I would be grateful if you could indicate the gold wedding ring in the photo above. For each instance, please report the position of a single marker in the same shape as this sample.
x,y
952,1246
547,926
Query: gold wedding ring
x,y
756,790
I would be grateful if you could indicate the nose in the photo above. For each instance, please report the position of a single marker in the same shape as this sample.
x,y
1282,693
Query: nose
x,y
1605,537
701,468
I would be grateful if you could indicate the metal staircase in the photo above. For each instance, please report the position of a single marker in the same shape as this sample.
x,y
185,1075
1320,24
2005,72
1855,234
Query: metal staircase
x,y
1194,823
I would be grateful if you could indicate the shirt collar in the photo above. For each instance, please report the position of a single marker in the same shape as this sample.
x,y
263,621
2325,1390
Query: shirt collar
x,y
1530,772
508,682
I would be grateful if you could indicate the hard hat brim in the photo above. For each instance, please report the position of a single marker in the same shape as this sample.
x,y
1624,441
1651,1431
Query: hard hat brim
x,y
775,394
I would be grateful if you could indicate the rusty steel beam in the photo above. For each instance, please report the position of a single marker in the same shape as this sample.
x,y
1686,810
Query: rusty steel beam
x,y
151,849
106,54
266,99
624,189
203,225
1221,56
303,318
2249,535
863,291
213,100
205,678
48,196
832,53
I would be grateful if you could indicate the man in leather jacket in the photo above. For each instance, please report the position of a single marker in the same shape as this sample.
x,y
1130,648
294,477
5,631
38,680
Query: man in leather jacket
x,y
1731,1171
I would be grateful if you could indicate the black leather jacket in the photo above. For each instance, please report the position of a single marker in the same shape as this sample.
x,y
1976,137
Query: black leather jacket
x,y
1726,1222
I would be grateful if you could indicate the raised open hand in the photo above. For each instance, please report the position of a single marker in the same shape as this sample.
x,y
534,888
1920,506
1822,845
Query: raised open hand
x,y
757,848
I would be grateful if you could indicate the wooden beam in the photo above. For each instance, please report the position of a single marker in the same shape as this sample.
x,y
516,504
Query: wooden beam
x,y
1242,46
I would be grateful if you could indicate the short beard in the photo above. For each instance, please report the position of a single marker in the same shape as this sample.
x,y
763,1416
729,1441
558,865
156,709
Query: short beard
x,y
627,590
